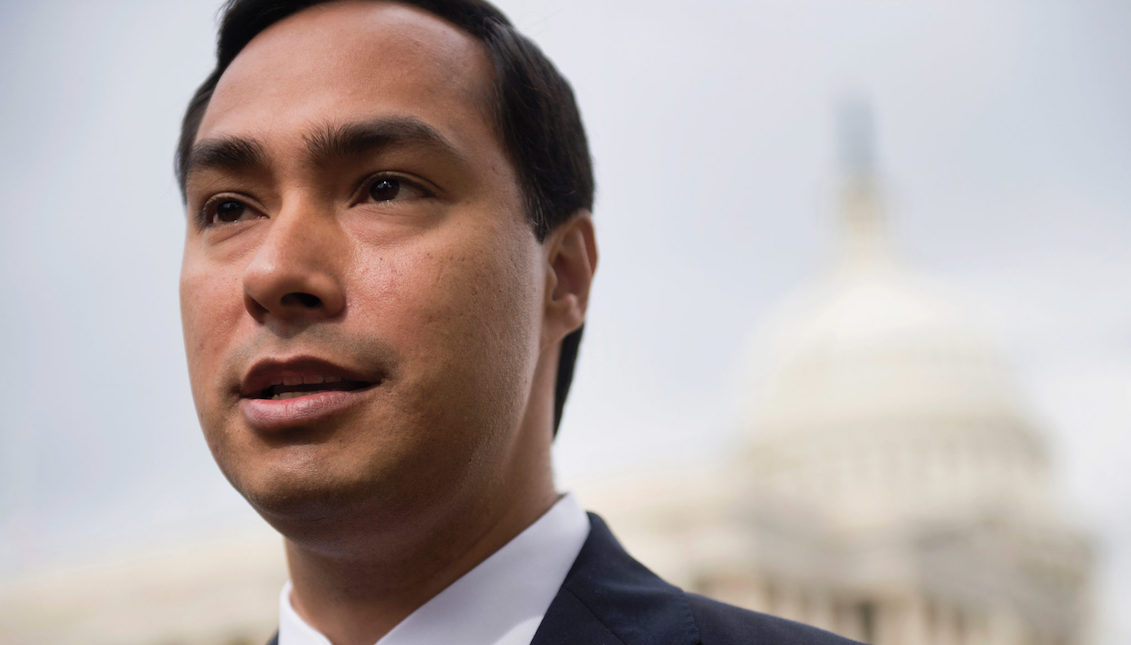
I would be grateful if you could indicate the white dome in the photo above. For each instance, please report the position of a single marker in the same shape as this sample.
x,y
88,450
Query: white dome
x,y
874,342
881,402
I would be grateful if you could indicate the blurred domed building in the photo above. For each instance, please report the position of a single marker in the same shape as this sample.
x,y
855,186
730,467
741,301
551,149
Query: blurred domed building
x,y
888,485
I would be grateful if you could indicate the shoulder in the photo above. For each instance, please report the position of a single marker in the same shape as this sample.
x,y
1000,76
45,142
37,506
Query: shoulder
x,y
721,624
610,598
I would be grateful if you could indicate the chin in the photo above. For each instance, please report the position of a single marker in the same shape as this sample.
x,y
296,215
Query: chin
x,y
289,498
302,485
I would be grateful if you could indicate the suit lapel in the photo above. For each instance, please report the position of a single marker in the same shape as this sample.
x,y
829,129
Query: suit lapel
x,y
608,598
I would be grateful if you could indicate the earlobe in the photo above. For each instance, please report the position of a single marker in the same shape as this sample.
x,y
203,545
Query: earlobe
x,y
570,264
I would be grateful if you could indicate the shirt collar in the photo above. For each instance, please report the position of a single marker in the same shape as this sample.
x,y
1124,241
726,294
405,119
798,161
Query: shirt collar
x,y
499,602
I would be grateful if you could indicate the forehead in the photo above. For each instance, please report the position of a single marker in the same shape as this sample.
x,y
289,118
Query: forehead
x,y
345,61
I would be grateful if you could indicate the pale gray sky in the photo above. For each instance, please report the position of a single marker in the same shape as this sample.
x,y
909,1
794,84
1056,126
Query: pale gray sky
x,y
1003,139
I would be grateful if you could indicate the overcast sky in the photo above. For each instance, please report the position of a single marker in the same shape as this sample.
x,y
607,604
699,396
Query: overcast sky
x,y
1003,139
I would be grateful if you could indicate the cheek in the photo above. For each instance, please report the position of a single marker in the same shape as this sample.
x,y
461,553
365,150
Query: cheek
x,y
208,317
463,309
488,297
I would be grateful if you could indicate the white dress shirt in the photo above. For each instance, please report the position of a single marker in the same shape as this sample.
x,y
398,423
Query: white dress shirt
x,y
499,602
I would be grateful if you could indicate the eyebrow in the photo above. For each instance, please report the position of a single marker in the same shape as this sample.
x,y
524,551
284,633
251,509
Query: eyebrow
x,y
227,153
327,142
342,141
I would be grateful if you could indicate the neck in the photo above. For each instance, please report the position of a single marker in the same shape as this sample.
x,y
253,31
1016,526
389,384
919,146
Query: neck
x,y
356,580
359,597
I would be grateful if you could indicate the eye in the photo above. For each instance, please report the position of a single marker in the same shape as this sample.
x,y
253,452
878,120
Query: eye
x,y
225,210
389,188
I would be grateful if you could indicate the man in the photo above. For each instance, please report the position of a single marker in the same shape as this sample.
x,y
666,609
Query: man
x,y
387,263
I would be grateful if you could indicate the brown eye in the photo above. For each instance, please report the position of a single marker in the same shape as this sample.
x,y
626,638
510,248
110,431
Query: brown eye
x,y
224,210
385,189
229,211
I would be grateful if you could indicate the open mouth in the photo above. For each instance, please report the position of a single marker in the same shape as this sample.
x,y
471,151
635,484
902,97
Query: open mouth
x,y
281,380
281,391
301,392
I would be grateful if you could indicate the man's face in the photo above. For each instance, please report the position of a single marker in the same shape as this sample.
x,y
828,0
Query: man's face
x,y
361,292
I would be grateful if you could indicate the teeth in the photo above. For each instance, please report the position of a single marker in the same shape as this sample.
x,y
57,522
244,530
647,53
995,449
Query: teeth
x,y
306,379
289,381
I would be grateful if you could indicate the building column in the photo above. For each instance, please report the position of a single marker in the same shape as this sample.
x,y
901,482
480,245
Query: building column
x,y
821,611
916,624
1005,628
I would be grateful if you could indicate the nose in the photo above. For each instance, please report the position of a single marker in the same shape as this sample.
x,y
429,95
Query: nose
x,y
293,276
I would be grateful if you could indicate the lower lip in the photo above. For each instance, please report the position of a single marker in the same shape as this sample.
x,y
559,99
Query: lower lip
x,y
269,414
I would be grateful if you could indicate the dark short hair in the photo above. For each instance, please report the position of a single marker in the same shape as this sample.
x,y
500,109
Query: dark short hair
x,y
534,106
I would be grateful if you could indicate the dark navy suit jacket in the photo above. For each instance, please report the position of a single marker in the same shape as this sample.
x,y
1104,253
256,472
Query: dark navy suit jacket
x,y
608,598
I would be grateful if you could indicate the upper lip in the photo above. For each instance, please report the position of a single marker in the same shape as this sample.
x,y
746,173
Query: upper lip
x,y
269,372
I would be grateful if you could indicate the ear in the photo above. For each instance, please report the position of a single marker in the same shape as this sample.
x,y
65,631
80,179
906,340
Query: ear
x,y
571,259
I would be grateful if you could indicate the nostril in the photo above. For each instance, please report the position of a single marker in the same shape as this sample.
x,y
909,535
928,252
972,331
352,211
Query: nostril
x,y
308,300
